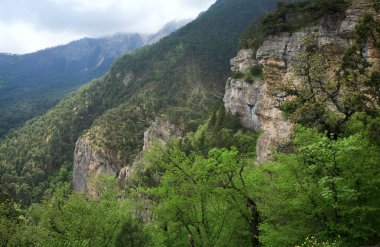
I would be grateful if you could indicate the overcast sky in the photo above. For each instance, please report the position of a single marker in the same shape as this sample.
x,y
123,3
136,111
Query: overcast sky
x,y
30,25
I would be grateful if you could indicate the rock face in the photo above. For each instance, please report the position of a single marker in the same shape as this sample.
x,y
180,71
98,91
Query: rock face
x,y
243,60
160,131
89,163
255,103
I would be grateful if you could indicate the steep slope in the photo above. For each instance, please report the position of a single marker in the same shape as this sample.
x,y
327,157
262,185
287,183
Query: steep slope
x,y
32,83
322,188
167,29
276,53
176,77
314,69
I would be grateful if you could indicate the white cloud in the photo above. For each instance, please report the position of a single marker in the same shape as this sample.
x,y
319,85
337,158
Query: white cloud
x,y
26,25
20,37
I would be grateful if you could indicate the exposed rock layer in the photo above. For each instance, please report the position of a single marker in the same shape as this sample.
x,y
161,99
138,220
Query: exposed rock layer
x,y
90,162
256,103
160,131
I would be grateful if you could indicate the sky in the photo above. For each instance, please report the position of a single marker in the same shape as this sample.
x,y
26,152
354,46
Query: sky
x,y
31,25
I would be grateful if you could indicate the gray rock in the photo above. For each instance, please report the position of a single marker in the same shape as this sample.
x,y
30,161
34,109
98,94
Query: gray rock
x,y
257,103
243,98
243,61
273,48
89,163
160,131
352,17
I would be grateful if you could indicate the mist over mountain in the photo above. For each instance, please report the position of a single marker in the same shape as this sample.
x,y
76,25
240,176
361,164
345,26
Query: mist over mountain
x,y
256,124
176,77
32,83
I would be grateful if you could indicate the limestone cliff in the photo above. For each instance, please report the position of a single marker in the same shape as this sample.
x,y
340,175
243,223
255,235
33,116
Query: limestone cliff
x,y
160,131
90,162
255,102
252,101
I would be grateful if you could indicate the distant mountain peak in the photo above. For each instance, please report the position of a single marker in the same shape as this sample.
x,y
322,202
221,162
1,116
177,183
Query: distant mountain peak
x,y
167,29
41,78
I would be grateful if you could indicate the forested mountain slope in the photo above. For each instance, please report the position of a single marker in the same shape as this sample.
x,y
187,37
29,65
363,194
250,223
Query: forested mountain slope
x,y
32,83
305,84
176,77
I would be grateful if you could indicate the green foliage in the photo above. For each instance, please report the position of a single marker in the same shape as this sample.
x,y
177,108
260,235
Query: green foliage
x,y
358,74
65,218
314,242
250,75
257,71
201,195
327,99
131,234
9,219
325,189
367,124
32,156
376,5
223,130
194,199
290,17
30,84
176,77
202,190
71,219
237,75
306,102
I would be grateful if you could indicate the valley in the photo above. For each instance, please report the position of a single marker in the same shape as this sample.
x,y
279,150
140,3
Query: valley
x,y
256,124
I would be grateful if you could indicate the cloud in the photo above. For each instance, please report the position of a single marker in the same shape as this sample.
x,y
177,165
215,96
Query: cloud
x,y
21,38
44,22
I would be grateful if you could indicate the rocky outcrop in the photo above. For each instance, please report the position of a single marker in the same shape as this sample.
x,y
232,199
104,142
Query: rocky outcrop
x,y
160,131
89,163
256,103
353,16
253,102
128,78
243,61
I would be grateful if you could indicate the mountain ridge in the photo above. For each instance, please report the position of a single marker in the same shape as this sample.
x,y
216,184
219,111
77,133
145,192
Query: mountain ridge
x,y
160,161
33,82
174,77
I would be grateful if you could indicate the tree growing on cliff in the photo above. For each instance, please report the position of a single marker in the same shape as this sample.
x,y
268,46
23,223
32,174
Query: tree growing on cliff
x,y
327,90
327,188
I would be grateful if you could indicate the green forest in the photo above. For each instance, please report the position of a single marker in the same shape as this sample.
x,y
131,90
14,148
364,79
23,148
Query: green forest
x,y
30,84
322,189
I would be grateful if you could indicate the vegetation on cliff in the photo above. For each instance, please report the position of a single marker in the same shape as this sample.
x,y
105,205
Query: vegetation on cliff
x,y
177,77
327,186
203,190
290,16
